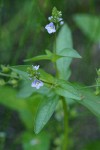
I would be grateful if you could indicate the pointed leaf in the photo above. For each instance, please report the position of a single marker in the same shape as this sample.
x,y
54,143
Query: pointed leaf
x,y
69,52
45,111
64,40
37,58
89,99
67,90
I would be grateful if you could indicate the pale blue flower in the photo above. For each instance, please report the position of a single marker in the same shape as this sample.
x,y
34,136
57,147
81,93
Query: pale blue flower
x,y
62,22
49,18
50,28
60,19
35,67
37,83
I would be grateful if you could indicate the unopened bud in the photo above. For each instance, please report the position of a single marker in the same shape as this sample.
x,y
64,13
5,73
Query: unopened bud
x,y
5,69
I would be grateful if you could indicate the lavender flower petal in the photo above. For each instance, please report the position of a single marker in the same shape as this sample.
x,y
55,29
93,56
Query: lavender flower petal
x,y
37,84
50,28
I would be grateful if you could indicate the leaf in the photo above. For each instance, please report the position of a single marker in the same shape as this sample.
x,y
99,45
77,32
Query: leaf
x,y
89,99
36,142
46,76
90,27
69,52
64,40
67,90
45,111
37,58
49,56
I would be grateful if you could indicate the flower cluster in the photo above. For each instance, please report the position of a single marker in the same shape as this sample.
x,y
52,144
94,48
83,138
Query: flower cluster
x,y
33,73
55,21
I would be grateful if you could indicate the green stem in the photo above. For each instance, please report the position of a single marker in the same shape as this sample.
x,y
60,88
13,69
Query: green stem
x,y
55,44
54,51
65,138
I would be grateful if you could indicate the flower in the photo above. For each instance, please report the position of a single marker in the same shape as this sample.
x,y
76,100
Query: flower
x,y
49,18
62,22
50,28
37,83
35,67
60,19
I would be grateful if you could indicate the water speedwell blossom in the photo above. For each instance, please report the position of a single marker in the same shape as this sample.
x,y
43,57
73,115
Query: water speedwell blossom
x,y
35,67
49,18
50,28
37,83
62,22
60,19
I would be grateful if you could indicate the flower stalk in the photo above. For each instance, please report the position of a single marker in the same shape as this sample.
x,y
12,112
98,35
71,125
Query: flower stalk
x,y
66,128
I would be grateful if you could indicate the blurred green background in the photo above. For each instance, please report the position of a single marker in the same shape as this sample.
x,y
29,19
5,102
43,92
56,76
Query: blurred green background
x,y
22,35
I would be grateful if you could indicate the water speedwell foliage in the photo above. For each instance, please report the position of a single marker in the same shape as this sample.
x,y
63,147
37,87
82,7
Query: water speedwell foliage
x,y
56,88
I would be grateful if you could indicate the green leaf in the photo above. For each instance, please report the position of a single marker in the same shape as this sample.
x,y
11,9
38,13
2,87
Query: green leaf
x,y
46,76
89,99
49,56
64,40
67,90
90,27
35,142
37,58
45,111
69,52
